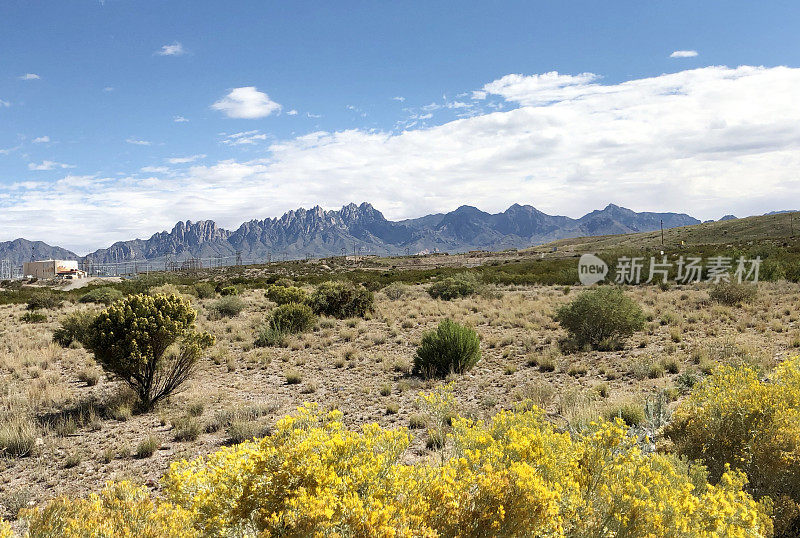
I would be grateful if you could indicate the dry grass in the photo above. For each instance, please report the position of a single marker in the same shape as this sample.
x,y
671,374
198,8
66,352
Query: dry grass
x,y
78,429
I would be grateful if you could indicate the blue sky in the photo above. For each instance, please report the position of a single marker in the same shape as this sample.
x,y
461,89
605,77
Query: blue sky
x,y
123,116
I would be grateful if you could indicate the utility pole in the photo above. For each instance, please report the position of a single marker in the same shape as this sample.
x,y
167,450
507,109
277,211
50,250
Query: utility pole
x,y
662,232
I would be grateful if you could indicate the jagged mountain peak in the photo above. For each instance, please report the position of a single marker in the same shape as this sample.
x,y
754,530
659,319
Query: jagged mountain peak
x,y
319,232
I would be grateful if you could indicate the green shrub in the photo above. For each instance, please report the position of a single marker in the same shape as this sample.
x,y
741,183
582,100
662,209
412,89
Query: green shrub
x,y
459,285
131,337
269,337
33,317
601,318
292,318
228,307
229,290
395,290
104,295
204,290
286,294
733,293
342,300
43,300
74,328
451,348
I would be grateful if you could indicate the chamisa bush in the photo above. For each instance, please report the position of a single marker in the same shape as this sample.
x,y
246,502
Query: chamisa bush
x,y
601,318
451,348
228,307
342,300
293,318
132,338
732,293
734,419
459,285
395,291
514,475
74,328
290,318
229,290
104,295
204,290
43,300
286,294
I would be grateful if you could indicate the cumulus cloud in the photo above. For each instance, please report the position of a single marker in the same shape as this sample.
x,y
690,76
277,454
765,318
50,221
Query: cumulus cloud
x,y
30,76
41,139
174,49
48,165
707,141
179,119
137,142
292,112
247,103
683,54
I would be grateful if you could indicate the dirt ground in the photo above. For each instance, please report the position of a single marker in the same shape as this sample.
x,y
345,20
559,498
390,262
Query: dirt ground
x,y
363,368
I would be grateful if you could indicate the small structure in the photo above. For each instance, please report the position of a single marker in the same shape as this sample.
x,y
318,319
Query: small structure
x,y
47,269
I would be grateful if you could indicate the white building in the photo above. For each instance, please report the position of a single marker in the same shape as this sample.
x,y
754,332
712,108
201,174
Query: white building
x,y
47,269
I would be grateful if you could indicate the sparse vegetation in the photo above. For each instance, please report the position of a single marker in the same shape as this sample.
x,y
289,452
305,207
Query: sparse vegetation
x,y
732,293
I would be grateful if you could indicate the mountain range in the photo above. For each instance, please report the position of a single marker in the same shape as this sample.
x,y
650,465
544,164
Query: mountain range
x,y
358,228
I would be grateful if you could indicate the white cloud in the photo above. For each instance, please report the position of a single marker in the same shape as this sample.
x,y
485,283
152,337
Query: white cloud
x,y
4,103
707,142
244,138
292,112
41,140
155,169
30,76
108,89
175,49
48,165
247,103
399,98
542,89
184,160
6,151
179,119
137,142
683,54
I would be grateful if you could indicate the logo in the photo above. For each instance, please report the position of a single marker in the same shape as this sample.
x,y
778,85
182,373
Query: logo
x,y
591,269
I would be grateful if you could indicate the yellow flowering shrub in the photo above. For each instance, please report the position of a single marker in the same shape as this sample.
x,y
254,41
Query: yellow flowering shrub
x,y
121,510
5,529
735,419
515,475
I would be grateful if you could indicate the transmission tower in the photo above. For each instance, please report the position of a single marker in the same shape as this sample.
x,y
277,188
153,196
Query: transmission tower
x,y
5,270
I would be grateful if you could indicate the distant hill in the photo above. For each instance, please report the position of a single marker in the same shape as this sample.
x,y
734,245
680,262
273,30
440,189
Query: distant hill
x,y
20,251
777,228
320,233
